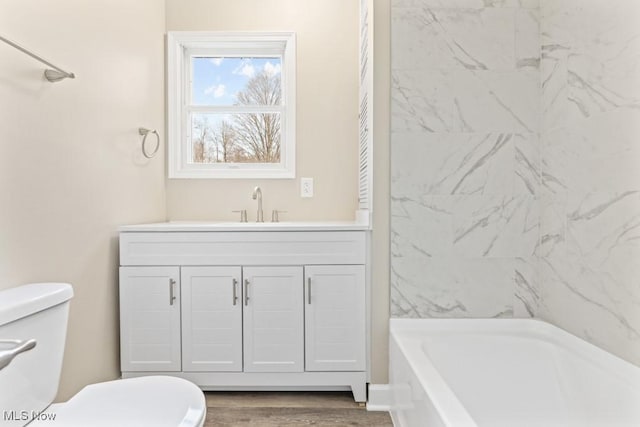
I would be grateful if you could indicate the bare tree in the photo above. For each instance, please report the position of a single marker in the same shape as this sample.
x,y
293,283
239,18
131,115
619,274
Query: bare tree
x,y
203,140
247,137
225,141
258,134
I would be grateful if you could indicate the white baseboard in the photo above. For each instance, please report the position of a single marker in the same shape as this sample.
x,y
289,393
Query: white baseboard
x,y
379,397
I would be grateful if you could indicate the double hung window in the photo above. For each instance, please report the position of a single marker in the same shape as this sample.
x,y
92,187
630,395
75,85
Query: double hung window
x,y
231,105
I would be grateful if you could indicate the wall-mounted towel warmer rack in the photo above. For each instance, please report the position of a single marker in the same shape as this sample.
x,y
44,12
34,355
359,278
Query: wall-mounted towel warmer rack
x,y
54,75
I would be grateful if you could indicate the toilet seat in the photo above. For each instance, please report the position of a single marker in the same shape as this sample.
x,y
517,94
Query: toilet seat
x,y
136,402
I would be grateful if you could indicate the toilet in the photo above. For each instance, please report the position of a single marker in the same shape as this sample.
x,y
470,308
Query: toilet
x,y
29,374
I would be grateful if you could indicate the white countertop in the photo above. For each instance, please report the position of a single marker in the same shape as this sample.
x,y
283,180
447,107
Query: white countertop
x,y
246,226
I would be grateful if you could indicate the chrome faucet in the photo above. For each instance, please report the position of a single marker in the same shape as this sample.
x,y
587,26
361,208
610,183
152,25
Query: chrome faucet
x,y
257,194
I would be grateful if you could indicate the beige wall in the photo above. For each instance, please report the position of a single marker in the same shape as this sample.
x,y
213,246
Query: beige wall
x,y
327,109
381,214
327,120
71,170
70,164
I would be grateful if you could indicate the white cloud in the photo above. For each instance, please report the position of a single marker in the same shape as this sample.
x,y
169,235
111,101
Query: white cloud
x,y
216,90
271,69
216,61
245,69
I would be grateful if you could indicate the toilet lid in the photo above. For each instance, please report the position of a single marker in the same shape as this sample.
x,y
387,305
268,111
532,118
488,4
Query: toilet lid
x,y
136,402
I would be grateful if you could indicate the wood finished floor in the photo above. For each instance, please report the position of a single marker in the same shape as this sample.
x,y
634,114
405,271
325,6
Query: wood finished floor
x,y
271,409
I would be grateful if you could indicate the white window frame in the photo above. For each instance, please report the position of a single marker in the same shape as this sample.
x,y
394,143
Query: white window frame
x,y
180,46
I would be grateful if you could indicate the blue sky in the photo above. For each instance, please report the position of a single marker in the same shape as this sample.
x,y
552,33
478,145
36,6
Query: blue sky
x,y
217,80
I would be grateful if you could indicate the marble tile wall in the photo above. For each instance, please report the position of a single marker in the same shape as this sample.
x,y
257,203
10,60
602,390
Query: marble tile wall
x,y
590,159
465,157
516,163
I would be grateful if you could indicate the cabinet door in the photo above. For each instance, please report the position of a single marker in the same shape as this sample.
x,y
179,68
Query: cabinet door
x,y
335,318
150,319
211,319
273,319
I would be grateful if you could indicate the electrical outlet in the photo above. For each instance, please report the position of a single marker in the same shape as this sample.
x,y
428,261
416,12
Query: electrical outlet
x,y
306,187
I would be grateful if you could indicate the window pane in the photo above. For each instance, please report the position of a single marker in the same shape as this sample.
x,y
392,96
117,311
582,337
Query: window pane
x,y
235,81
235,138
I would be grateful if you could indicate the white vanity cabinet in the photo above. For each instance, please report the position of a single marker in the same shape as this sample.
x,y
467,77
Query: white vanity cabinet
x,y
252,310
211,319
335,318
231,311
273,319
150,319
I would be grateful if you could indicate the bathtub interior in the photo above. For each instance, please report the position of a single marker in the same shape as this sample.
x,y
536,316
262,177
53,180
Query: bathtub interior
x,y
516,380
525,373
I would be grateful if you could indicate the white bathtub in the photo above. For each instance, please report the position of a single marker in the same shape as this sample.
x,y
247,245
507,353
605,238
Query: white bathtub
x,y
506,373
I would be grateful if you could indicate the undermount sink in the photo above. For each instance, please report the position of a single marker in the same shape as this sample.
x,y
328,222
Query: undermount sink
x,y
246,226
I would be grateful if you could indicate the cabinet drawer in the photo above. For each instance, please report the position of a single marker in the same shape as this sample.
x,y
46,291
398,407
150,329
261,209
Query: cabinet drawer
x,y
242,248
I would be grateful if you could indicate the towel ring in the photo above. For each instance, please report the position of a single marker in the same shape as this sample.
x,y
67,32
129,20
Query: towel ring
x,y
145,133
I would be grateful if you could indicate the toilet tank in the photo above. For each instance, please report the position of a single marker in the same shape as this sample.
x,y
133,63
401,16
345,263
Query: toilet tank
x,y
30,382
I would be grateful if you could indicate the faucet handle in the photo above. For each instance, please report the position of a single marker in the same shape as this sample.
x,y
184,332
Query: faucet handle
x,y
274,215
243,215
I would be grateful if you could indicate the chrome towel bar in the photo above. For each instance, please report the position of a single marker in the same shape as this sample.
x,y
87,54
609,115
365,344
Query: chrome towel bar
x,y
54,75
